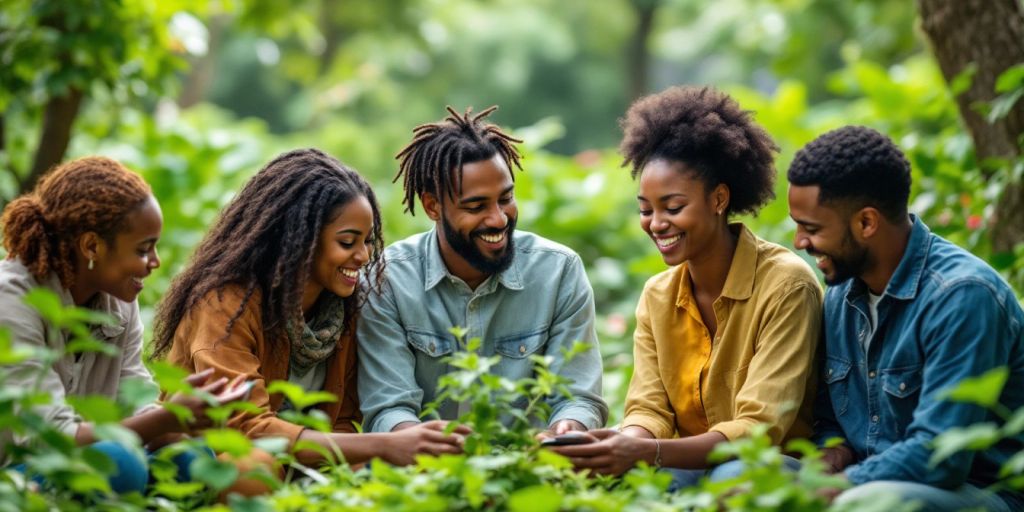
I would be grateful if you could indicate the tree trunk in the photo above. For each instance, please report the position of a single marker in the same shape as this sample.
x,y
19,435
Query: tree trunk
x,y
989,34
638,55
58,117
199,79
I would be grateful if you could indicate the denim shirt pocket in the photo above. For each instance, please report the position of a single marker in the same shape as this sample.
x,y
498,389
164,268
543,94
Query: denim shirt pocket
x,y
521,345
837,377
430,344
901,386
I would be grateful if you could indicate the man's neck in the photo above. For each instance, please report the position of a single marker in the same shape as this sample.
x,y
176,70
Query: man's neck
x,y
887,253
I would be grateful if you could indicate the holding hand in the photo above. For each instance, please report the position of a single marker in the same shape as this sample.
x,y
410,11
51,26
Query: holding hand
x,y
426,438
609,452
222,391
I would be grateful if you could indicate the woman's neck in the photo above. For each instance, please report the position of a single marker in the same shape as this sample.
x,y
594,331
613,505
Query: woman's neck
x,y
709,272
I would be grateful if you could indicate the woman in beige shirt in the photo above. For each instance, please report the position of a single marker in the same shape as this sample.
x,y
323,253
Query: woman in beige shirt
x,y
88,234
725,338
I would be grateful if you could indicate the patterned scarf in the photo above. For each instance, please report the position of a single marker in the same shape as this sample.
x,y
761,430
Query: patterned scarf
x,y
318,338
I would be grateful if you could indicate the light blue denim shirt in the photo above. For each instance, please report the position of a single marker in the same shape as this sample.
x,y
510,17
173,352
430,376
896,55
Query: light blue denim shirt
x,y
541,304
945,315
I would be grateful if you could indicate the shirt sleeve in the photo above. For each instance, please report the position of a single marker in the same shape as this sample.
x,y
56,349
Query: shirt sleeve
x,y
388,391
27,329
647,402
575,322
957,344
776,382
233,355
131,353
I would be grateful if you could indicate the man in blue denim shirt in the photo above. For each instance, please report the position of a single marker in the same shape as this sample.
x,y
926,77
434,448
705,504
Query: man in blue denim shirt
x,y
907,316
521,294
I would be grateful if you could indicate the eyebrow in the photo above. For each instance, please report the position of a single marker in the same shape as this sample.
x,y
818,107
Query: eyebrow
x,y
805,223
664,197
475,199
150,240
354,231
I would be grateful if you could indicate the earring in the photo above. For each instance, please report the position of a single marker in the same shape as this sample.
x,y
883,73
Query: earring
x,y
90,264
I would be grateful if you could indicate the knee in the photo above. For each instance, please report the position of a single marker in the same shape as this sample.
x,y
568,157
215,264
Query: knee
x,y
727,471
899,491
131,473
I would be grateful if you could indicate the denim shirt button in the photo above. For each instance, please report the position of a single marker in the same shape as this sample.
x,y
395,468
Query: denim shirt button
x,y
522,349
871,375
433,346
903,386
874,419
830,371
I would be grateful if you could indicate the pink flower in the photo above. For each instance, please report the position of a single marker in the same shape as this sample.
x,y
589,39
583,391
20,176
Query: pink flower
x,y
974,222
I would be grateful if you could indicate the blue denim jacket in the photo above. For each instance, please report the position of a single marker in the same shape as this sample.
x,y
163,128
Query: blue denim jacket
x,y
541,304
945,315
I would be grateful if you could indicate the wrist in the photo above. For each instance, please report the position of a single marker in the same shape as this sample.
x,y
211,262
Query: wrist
x,y
653,456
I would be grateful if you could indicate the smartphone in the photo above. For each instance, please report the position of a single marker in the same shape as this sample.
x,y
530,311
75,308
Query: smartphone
x,y
566,440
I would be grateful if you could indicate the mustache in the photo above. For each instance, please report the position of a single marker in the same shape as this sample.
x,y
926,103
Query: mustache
x,y
493,231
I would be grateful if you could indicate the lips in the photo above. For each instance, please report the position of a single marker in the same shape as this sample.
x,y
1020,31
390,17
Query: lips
x,y
667,243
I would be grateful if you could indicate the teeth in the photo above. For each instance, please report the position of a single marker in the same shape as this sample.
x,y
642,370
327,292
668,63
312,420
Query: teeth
x,y
820,259
493,239
665,242
350,273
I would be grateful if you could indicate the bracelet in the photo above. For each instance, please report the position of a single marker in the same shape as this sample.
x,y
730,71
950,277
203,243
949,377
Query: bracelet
x,y
657,453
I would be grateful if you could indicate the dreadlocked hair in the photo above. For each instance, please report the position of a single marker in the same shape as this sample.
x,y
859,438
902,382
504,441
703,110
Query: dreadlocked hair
x,y
91,194
265,241
433,161
706,130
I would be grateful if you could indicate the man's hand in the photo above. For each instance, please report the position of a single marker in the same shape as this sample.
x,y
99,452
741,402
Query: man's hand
x,y
836,458
610,452
428,438
560,428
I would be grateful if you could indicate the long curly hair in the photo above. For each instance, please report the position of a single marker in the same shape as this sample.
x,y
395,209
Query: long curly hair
x,y
91,194
708,131
265,240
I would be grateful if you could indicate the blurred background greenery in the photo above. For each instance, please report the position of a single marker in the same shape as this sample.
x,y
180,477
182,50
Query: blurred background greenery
x,y
198,94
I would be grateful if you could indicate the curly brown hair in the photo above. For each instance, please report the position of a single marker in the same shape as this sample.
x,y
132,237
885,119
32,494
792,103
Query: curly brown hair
x,y
91,194
706,130
265,240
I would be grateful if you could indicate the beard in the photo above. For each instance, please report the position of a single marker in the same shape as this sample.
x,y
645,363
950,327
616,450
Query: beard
x,y
851,263
465,247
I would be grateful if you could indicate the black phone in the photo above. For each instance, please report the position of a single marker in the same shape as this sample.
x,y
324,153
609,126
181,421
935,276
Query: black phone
x,y
566,440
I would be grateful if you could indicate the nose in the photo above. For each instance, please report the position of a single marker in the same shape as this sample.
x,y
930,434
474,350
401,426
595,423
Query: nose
x,y
154,260
801,241
496,218
659,222
362,254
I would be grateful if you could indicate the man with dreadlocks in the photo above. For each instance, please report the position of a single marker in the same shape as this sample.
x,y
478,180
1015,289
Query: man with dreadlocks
x,y
519,293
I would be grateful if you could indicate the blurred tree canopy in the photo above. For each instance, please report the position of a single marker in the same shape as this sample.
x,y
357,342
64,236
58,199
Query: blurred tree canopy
x,y
197,94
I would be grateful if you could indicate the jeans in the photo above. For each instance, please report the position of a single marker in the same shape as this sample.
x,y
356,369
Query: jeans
x,y
683,478
931,499
131,473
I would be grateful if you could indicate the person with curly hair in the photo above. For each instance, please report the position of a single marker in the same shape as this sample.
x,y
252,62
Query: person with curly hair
x,y
88,234
521,294
272,293
725,338
908,316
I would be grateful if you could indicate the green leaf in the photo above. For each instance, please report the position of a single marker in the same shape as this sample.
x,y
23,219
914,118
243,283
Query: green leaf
x,y
178,490
10,353
1015,425
215,473
135,392
300,398
1013,466
95,408
1010,79
962,81
87,483
169,377
982,390
271,444
979,436
537,498
1002,105
228,441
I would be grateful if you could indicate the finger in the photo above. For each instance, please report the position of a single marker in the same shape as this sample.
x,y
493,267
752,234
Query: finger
x,y
440,449
604,433
581,450
439,437
544,434
463,430
198,378
215,386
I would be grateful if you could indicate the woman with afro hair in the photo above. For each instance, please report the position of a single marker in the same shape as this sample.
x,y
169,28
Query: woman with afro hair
x,y
725,338
88,234
273,293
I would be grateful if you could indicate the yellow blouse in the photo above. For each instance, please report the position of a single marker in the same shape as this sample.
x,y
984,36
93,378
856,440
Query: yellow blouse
x,y
760,367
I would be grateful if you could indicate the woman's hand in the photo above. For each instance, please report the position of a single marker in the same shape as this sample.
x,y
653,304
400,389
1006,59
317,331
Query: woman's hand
x,y
402,446
222,391
609,452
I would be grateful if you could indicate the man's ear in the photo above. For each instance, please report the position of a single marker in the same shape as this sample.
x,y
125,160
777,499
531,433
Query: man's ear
x,y
865,223
431,205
